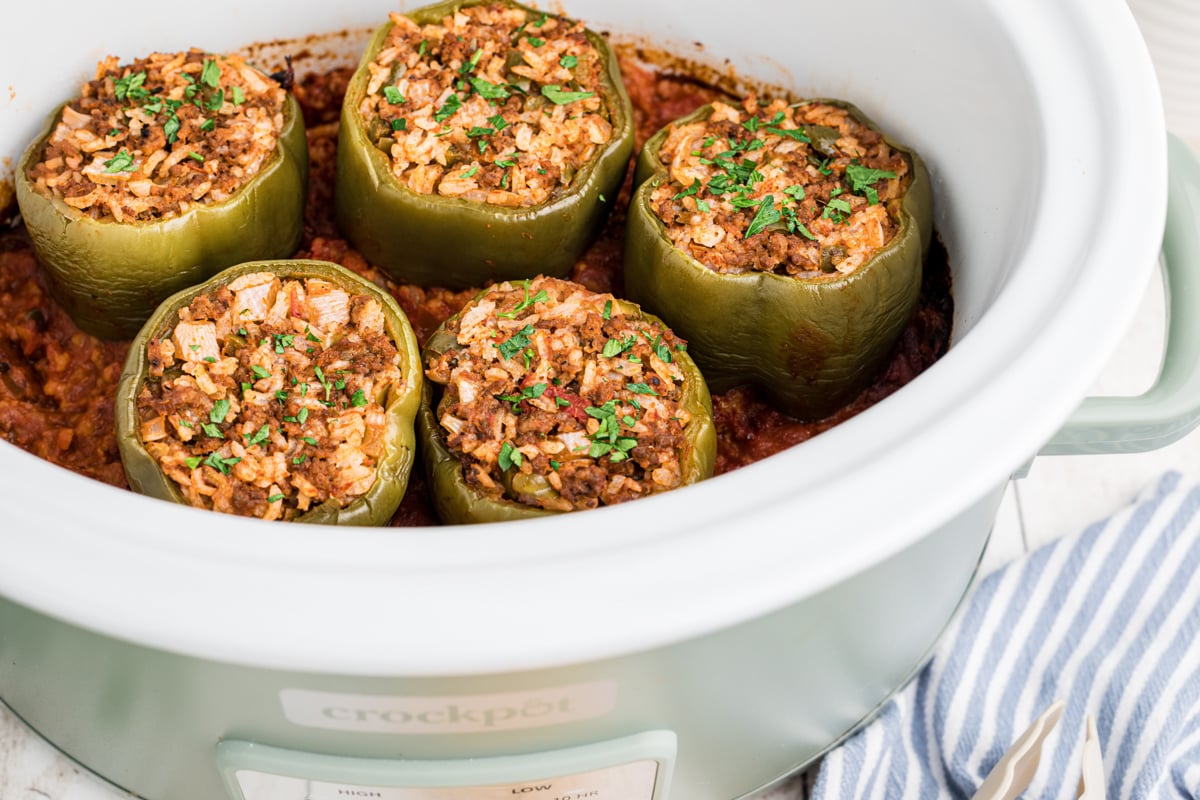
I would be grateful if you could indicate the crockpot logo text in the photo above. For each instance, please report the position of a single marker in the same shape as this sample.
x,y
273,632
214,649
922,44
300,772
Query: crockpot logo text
x,y
451,713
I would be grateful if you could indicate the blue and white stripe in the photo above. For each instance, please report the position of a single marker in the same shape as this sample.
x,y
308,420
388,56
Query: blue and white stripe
x,y
1107,620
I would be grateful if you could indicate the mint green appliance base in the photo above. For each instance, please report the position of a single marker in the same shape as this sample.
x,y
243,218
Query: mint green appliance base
x,y
745,705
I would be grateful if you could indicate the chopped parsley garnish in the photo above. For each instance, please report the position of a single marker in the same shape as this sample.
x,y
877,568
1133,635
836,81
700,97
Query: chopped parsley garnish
x,y
192,154
795,191
310,336
193,461
510,457
766,215
121,162
535,41
171,129
300,459
260,436
260,372
308,440
703,206
607,313
525,303
210,75
568,62
358,399
238,96
221,465
323,381
423,47
614,347
400,124
219,411
540,21
208,125
518,342
275,498
453,103
486,89
836,210
688,192
131,87
393,95
560,97
791,133
216,101
562,402
641,388
471,172
861,178
212,430
528,393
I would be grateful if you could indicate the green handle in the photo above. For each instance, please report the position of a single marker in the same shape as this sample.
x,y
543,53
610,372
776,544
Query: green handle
x,y
1170,409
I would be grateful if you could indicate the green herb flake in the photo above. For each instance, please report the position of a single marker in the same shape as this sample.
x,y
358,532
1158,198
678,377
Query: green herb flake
x,y
392,95
260,436
607,312
210,74
689,191
358,399
535,41
222,465
121,162
193,461
518,342
703,206
836,210
195,156
641,388
766,215
300,459
487,90
310,336
302,416
238,96
510,457
246,388
540,21
400,124
323,381
212,430
275,498
453,103
568,62
216,101
260,372
471,172
562,402
560,96
208,125
171,129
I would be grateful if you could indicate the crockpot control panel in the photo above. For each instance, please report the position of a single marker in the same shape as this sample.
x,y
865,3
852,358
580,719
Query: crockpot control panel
x,y
632,768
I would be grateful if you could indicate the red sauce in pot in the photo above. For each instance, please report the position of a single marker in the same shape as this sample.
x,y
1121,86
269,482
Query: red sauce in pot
x,y
57,384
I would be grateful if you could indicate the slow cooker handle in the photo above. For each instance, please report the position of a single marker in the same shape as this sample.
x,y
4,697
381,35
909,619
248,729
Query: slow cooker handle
x,y
1170,409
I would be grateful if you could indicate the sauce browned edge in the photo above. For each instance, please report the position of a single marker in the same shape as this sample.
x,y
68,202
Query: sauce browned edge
x,y
57,383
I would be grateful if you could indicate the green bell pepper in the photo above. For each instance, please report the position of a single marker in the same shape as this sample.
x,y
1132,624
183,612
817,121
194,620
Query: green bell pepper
x,y
809,343
458,503
456,243
108,275
380,502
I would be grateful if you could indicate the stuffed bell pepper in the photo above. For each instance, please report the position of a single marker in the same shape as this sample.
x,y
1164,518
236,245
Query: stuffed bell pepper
x,y
480,141
161,173
284,390
785,242
544,397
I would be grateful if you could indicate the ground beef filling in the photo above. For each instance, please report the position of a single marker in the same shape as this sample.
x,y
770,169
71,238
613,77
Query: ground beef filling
x,y
494,104
267,398
151,139
794,190
555,398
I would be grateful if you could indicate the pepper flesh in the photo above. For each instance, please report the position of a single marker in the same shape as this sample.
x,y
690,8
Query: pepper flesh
x,y
380,502
109,276
809,344
457,503
447,241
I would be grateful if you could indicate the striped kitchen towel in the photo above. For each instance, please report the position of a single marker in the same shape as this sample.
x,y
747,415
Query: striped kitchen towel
x,y
1107,620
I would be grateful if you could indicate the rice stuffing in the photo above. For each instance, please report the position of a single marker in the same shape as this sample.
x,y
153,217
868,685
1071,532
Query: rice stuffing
x,y
554,397
494,104
268,396
152,139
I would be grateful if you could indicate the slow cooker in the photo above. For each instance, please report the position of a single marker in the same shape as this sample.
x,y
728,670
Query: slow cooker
x,y
698,645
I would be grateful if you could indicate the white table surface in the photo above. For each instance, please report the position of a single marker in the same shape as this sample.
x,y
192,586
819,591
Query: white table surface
x,y
1060,495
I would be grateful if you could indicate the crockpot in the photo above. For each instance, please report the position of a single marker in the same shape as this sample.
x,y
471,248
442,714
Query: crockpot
x,y
698,645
